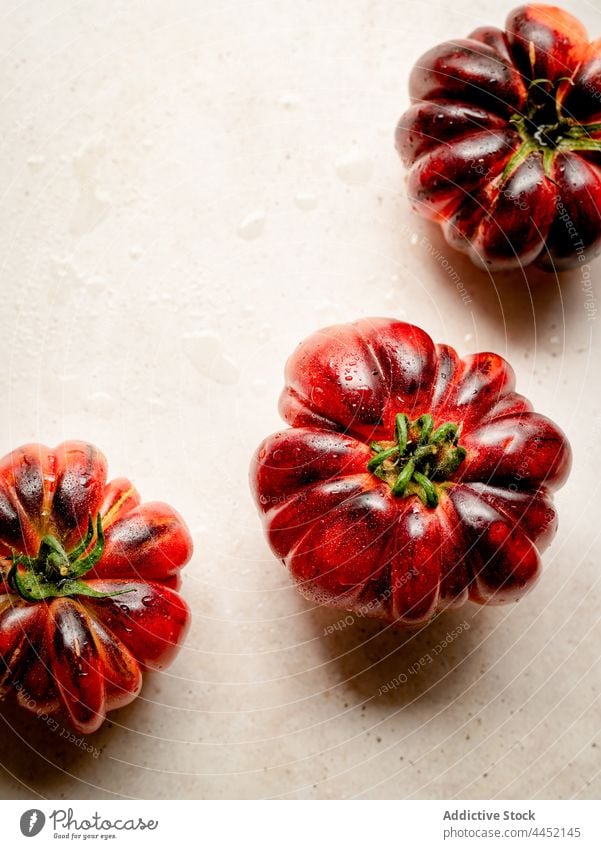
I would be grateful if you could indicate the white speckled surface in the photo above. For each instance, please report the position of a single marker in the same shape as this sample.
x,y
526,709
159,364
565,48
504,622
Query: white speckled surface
x,y
188,189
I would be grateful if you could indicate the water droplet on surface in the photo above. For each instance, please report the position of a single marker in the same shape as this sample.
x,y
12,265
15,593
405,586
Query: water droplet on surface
x,y
93,204
264,332
554,340
290,101
100,403
252,225
354,168
305,201
36,161
204,349
327,310
65,280
96,283
413,239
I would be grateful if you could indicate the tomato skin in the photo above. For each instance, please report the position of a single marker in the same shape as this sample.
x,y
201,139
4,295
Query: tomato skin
x,y
78,657
346,539
503,141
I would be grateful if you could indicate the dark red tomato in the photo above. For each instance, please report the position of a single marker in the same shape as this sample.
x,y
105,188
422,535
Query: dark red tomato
x,y
410,479
88,584
503,141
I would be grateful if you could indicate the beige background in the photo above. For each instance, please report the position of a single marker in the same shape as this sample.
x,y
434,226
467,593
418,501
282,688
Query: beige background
x,y
188,189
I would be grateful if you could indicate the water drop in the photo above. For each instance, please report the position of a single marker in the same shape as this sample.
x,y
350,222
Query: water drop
x,y
93,204
354,168
305,201
36,162
290,101
204,349
100,403
252,225
65,280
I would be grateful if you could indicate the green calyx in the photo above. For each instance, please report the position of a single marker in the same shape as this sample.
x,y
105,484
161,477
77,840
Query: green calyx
x,y
544,127
54,572
419,459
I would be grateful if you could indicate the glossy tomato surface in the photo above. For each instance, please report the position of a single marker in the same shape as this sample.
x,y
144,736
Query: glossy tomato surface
x,y
410,479
88,584
503,141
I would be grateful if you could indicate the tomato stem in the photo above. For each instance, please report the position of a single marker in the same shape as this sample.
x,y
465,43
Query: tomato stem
x,y
53,572
543,127
419,458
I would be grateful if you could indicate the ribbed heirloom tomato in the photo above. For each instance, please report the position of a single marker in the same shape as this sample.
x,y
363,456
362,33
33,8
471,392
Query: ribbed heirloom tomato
x,y
88,584
410,479
503,141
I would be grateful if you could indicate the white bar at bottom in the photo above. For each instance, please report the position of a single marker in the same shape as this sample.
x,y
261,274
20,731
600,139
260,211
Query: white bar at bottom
x,y
302,824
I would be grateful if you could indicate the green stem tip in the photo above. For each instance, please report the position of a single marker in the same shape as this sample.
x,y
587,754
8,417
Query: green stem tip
x,y
56,573
420,457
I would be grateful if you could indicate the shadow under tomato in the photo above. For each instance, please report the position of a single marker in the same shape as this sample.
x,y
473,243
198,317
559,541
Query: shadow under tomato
x,y
391,666
39,753
520,301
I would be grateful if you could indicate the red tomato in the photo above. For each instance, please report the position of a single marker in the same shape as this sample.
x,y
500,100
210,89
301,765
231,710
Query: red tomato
x,y
88,584
503,141
410,479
